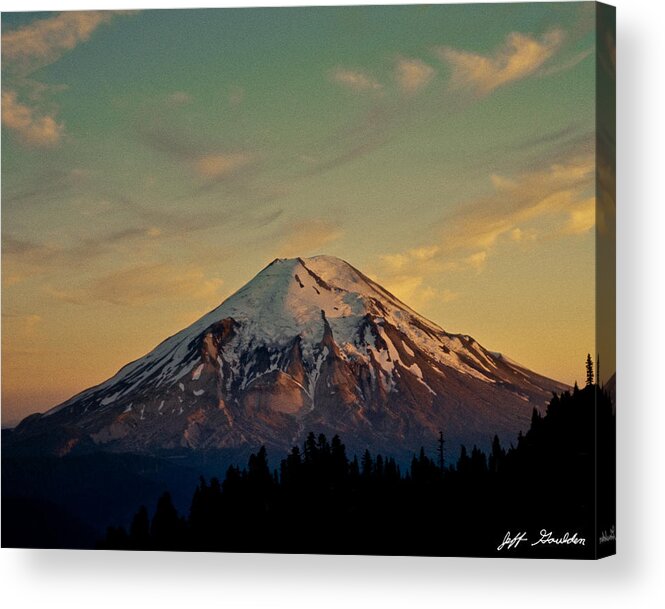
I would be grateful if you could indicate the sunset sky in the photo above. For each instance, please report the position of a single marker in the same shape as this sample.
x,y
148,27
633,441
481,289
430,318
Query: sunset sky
x,y
153,162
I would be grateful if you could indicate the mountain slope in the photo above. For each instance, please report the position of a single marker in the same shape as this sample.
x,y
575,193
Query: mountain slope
x,y
306,345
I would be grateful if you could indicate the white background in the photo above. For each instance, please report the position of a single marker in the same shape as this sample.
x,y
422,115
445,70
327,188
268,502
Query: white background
x,y
633,578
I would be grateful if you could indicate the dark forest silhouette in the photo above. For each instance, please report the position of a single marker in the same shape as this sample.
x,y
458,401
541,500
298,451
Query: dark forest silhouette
x,y
322,501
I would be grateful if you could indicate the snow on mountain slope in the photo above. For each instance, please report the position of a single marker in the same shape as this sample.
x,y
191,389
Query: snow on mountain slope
x,y
308,344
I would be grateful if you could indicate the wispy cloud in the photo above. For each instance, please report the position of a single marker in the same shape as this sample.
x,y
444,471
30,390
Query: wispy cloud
x,y
206,160
143,284
179,98
412,75
551,200
23,258
567,64
45,185
304,237
168,140
353,151
403,260
375,126
28,322
555,191
148,232
219,166
422,262
415,290
355,80
25,50
410,289
358,138
582,217
44,41
244,175
32,129
521,55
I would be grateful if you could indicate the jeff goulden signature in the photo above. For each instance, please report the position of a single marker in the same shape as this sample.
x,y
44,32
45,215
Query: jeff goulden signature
x,y
546,538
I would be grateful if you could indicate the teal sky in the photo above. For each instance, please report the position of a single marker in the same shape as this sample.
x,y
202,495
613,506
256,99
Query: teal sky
x,y
153,162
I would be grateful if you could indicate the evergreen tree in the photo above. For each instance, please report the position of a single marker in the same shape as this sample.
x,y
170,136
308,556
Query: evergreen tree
x,y
167,527
232,481
291,470
258,470
339,462
440,451
323,446
116,539
496,456
589,370
197,511
310,448
463,463
535,418
392,471
478,461
252,511
354,469
139,531
378,470
367,465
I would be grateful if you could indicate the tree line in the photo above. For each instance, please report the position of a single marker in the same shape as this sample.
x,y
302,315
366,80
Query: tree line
x,y
320,500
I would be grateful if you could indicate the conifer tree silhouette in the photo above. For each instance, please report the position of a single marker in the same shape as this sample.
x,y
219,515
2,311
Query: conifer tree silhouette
x,y
323,503
589,370
139,531
440,451
167,527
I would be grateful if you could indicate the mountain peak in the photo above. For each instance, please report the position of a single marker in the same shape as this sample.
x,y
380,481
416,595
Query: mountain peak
x,y
333,260
329,269
307,343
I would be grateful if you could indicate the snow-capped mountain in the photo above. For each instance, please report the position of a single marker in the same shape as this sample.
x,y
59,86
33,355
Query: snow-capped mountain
x,y
307,345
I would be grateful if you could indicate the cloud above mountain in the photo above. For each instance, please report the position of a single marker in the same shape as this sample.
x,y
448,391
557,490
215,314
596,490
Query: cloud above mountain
x,y
27,49
520,55
355,80
412,75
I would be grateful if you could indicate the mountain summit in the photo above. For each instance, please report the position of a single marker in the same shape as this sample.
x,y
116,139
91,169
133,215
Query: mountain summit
x,y
307,345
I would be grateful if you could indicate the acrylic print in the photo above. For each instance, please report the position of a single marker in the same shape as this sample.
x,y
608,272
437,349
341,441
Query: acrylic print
x,y
311,280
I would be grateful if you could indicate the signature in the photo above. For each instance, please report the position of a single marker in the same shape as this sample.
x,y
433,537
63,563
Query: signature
x,y
604,536
546,538
512,542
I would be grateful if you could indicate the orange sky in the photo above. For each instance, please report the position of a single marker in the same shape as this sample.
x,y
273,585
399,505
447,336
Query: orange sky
x,y
144,184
